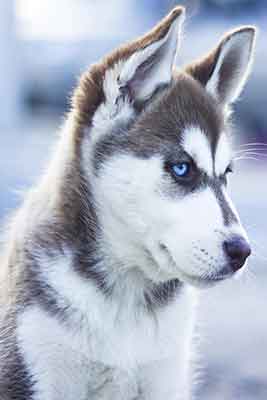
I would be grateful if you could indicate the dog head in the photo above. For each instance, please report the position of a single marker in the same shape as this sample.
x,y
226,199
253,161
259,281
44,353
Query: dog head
x,y
157,153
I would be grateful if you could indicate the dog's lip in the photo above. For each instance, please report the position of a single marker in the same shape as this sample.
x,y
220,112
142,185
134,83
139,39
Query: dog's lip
x,y
206,281
194,280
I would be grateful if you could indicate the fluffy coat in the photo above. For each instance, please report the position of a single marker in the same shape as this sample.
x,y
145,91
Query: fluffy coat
x,y
103,259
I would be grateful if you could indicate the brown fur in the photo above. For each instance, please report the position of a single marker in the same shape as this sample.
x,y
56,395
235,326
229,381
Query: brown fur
x,y
89,94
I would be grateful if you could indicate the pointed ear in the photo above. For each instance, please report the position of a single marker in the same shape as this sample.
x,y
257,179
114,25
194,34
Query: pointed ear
x,y
225,70
152,57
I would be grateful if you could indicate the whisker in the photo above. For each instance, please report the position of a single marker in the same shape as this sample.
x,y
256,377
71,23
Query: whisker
x,y
247,158
251,153
263,150
253,144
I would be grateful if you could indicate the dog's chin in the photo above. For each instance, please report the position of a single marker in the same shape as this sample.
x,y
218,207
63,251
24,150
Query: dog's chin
x,y
195,281
167,269
203,282
207,280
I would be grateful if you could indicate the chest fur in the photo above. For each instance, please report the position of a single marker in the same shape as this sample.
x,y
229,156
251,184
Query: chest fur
x,y
103,363
113,337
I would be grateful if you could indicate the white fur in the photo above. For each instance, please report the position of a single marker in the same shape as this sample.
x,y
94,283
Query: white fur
x,y
111,111
128,181
138,188
106,340
51,357
109,114
240,43
196,144
111,347
223,155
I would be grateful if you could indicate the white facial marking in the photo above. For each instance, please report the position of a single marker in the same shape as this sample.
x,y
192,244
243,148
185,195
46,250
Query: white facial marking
x,y
196,144
223,154
137,187
84,340
184,234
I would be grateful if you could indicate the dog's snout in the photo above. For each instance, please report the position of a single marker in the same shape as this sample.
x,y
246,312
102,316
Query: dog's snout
x,y
237,250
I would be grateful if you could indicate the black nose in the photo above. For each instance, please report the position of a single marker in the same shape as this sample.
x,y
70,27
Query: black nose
x,y
237,250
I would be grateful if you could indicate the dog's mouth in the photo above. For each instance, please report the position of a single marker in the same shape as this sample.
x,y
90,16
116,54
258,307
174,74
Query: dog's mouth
x,y
206,280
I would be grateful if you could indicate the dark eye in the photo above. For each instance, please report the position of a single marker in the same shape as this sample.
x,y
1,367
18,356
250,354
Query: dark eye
x,y
229,169
181,170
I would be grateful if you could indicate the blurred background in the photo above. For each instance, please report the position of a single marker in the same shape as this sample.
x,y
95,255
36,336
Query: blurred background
x,y
44,47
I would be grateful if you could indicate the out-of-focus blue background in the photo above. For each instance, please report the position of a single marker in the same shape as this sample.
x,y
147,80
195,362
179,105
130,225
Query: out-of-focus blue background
x,y
44,45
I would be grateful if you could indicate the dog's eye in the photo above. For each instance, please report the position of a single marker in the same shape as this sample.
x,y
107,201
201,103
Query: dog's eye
x,y
181,170
229,169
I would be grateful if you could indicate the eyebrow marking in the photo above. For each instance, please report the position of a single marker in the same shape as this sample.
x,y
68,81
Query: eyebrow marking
x,y
223,154
196,144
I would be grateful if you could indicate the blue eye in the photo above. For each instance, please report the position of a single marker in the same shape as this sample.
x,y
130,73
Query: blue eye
x,y
182,169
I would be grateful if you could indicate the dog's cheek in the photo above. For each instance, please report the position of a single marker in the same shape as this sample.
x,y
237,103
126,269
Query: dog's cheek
x,y
196,223
127,190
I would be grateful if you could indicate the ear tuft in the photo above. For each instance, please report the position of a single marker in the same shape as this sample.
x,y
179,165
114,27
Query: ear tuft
x,y
225,70
151,58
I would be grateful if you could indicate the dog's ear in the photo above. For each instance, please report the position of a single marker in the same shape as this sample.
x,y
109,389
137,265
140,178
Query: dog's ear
x,y
147,63
225,70
133,72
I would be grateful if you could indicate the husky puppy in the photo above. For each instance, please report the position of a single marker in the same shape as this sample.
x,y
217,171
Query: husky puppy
x,y
103,260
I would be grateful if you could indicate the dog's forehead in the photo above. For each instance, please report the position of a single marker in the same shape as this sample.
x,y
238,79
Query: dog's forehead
x,y
192,105
182,117
212,161
190,119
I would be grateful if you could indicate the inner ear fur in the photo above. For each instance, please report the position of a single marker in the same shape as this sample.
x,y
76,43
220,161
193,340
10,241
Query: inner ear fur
x,y
154,35
224,70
